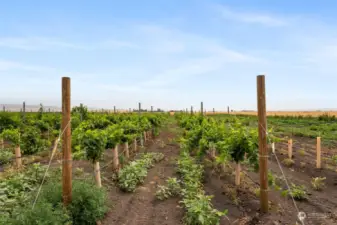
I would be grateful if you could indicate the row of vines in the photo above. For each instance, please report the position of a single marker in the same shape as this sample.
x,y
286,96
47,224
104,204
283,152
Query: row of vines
x,y
92,135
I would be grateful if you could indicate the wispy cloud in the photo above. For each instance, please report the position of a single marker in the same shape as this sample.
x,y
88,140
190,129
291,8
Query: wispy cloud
x,y
250,17
6,65
44,43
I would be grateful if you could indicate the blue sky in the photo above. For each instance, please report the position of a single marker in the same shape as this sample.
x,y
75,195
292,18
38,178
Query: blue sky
x,y
170,54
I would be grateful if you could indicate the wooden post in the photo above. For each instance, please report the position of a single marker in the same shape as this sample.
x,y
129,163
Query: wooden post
x,y
290,148
97,174
318,162
237,174
2,143
115,165
145,138
135,144
126,148
151,108
3,108
213,111
263,152
227,109
202,108
191,110
139,108
66,143
115,109
24,107
18,158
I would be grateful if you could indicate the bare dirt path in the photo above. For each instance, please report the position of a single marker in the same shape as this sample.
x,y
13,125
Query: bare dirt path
x,y
141,207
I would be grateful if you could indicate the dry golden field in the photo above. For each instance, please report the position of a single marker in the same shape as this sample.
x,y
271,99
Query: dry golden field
x,y
281,113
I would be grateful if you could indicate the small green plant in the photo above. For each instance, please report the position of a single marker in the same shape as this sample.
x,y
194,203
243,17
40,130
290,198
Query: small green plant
x,y
288,162
173,188
334,159
298,192
318,183
6,156
301,152
200,211
257,192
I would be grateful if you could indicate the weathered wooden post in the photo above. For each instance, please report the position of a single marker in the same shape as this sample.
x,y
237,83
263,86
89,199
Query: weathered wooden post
x,y
115,165
318,149
290,148
263,153
66,143
202,108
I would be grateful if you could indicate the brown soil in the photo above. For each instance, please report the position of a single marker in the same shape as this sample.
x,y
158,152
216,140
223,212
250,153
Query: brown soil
x,y
141,207
243,204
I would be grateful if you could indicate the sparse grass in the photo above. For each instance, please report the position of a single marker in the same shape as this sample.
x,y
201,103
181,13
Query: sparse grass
x,y
334,159
283,152
302,164
257,192
232,194
302,152
288,162
162,144
318,183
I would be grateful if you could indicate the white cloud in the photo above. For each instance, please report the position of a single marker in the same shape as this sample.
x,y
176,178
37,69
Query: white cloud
x,y
6,65
249,17
43,43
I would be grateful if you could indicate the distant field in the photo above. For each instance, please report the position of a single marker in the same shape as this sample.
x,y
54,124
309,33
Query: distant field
x,y
281,113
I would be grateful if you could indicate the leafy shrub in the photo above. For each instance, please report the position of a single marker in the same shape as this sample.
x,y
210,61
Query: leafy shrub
x,y
134,173
31,141
94,142
88,204
42,214
200,211
16,189
114,135
88,201
12,135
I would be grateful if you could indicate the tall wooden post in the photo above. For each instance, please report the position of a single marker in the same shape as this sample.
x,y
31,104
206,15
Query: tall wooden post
x,y
263,153
115,109
139,108
318,152
227,109
191,110
3,108
151,108
290,148
202,108
23,110
66,143
213,110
